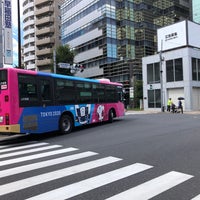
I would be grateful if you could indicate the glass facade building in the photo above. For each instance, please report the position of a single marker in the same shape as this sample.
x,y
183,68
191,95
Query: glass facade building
x,y
196,10
111,36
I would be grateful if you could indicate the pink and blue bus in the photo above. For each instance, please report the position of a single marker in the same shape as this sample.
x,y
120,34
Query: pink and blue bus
x,y
38,102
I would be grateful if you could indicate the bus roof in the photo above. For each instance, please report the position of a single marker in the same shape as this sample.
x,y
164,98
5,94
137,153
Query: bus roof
x,y
105,81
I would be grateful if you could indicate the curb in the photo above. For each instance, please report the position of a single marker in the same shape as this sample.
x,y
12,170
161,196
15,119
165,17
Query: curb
x,y
156,112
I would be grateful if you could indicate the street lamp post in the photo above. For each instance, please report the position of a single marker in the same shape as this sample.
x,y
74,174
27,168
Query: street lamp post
x,y
19,35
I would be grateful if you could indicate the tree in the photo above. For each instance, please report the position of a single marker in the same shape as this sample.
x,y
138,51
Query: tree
x,y
138,93
64,55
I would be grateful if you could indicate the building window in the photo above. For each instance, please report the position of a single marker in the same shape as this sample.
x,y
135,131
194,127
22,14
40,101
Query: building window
x,y
174,70
169,71
153,73
154,100
112,50
195,69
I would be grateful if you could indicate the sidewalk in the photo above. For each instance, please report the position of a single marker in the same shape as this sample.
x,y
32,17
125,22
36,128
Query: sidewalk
x,y
4,137
141,112
128,112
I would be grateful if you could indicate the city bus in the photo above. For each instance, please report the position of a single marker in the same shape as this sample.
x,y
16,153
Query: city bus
x,y
37,102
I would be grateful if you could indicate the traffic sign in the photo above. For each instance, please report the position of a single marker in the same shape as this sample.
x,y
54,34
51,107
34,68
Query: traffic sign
x,y
64,65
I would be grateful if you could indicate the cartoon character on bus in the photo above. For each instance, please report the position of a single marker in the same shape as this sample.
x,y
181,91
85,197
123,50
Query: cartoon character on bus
x,y
83,113
100,112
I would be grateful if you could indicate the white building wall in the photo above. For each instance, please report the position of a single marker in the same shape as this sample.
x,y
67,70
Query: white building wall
x,y
92,53
187,88
196,98
78,8
174,93
85,38
81,22
29,37
91,72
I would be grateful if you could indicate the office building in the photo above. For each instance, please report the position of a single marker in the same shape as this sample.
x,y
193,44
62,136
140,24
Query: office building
x,y
111,37
41,20
29,34
175,71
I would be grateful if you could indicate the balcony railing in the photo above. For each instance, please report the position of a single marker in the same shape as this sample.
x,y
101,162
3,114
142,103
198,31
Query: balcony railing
x,y
43,62
44,10
45,41
44,31
44,20
44,51
38,2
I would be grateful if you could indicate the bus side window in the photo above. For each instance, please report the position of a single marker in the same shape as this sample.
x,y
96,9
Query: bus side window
x,y
95,98
46,90
111,93
121,94
65,92
22,91
100,93
28,95
84,92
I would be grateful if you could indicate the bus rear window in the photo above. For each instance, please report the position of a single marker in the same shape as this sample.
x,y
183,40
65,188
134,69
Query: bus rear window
x,y
3,80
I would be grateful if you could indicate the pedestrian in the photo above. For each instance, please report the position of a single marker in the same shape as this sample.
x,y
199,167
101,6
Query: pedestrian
x,y
180,106
173,106
169,104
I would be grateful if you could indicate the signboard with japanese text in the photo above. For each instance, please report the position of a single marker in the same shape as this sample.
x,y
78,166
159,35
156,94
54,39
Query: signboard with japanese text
x,y
172,36
8,45
184,33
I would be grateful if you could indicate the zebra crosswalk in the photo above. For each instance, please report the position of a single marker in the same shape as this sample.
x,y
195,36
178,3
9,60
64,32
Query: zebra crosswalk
x,y
153,187
28,158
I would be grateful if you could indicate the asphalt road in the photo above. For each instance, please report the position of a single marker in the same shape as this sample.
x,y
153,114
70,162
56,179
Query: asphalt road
x,y
143,155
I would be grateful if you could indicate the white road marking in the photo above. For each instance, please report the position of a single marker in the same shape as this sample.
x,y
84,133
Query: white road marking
x,y
29,151
43,178
35,156
153,187
23,147
196,198
38,165
75,189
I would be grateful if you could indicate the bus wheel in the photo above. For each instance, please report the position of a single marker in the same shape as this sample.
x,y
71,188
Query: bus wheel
x,y
110,116
66,124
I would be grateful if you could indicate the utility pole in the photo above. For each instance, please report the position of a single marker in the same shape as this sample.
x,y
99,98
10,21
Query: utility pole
x,y
54,61
161,81
19,35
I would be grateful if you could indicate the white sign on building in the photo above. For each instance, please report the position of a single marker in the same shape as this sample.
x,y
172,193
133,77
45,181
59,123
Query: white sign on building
x,y
185,33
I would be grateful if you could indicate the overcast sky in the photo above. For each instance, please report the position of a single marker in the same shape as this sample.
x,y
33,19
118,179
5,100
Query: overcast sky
x,y
15,29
